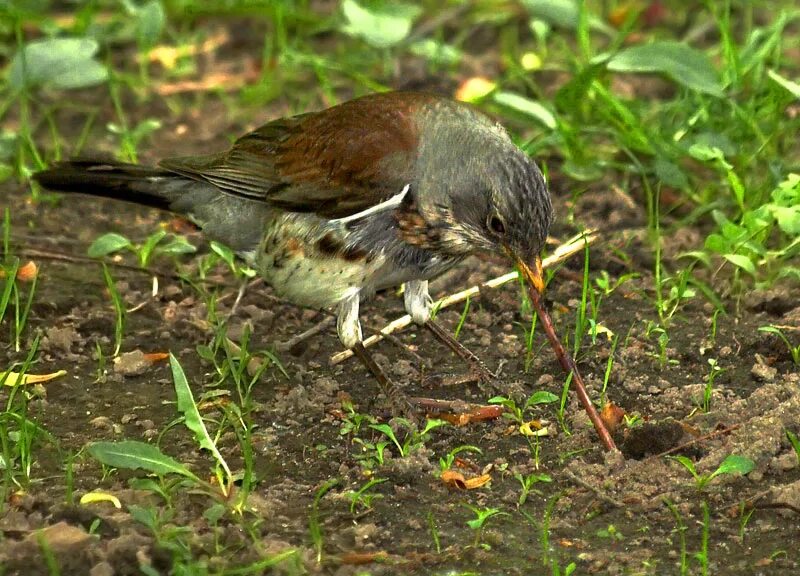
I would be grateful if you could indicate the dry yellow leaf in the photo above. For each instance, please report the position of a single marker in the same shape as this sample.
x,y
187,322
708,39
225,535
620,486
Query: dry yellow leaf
x,y
91,497
17,379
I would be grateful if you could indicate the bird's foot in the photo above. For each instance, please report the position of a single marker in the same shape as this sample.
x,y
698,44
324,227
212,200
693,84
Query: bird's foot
x,y
478,371
399,401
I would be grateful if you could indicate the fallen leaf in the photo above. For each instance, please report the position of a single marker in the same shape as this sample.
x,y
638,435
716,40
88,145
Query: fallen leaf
x,y
25,273
534,428
477,414
612,416
17,379
457,480
154,357
92,497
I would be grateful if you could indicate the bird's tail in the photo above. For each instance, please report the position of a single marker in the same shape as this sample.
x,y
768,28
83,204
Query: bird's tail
x,y
138,184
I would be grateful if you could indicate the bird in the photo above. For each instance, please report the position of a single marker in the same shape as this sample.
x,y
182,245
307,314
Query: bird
x,y
331,206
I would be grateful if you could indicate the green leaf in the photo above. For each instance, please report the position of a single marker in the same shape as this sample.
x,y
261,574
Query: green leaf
x,y
134,455
526,106
381,25
192,417
178,245
437,52
680,62
792,87
670,173
150,23
687,463
734,464
57,62
541,397
108,244
563,13
742,262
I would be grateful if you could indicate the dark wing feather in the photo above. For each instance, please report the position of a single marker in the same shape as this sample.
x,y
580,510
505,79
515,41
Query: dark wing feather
x,y
335,163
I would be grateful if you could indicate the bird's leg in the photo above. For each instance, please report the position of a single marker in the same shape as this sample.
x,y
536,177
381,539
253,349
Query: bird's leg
x,y
349,330
418,305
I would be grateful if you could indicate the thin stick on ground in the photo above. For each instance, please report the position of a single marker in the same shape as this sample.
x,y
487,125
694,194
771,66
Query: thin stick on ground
x,y
563,252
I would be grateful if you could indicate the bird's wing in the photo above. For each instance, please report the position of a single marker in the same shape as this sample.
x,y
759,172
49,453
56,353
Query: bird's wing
x,y
335,163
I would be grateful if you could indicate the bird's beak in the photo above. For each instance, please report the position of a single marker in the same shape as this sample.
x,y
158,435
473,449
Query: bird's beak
x,y
532,273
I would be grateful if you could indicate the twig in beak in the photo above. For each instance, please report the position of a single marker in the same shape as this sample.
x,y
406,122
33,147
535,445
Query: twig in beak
x,y
535,289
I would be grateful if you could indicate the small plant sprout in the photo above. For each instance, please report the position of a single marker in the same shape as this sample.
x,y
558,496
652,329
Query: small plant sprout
x,y
151,247
413,439
708,389
314,524
478,523
611,532
447,462
733,464
119,309
362,497
462,319
527,483
794,351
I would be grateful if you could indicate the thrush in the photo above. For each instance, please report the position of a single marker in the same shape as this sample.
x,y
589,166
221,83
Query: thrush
x,y
331,206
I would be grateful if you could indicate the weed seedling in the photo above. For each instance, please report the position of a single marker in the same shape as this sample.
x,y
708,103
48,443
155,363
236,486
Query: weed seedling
x,y
794,351
434,532
733,464
314,526
146,251
708,389
119,309
362,498
681,529
478,523
745,513
413,439
610,532
527,483
447,462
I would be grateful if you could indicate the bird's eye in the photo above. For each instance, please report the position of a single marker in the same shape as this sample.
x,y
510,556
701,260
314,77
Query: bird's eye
x,y
496,225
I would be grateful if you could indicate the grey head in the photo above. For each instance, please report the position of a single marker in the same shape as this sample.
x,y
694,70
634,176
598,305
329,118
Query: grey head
x,y
475,189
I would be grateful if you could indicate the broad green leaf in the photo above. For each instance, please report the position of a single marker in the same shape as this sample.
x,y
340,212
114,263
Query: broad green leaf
x,y
734,464
563,13
382,25
192,417
541,397
57,62
134,455
150,23
178,245
108,244
526,106
742,262
788,219
670,173
680,62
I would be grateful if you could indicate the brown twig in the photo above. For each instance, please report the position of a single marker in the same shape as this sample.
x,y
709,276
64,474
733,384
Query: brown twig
x,y
693,441
568,364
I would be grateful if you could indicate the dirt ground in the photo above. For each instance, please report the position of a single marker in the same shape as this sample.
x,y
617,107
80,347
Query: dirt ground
x,y
609,513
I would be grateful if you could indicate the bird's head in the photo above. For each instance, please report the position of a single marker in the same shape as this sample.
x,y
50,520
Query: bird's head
x,y
476,190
